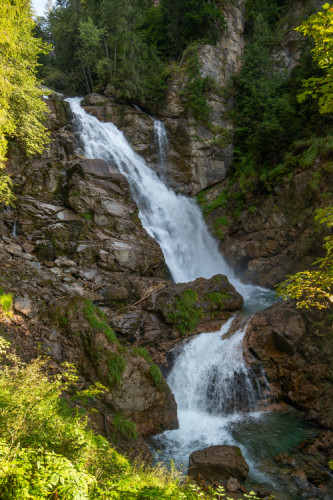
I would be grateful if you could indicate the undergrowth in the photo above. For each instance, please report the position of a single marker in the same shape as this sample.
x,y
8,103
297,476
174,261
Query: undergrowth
x,y
47,450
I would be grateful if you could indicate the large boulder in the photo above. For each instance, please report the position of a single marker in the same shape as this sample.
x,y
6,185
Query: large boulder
x,y
218,463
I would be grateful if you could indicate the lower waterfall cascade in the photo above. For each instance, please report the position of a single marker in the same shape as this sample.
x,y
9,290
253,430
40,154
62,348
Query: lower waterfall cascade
x,y
216,393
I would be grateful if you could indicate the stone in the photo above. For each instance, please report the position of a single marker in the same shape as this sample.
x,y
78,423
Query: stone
x,y
232,484
24,305
218,463
28,247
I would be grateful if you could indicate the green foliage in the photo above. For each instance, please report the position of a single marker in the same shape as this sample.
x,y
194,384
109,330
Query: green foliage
x,y
196,87
268,117
123,427
99,321
320,27
22,111
187,21
313,288
47,450
220,201
38,473
117,365
6,301
125,46
186,315
156,375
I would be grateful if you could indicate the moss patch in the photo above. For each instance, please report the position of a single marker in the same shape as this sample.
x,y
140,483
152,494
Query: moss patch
x,y
218,298
186,315
6,301
99,321
154,371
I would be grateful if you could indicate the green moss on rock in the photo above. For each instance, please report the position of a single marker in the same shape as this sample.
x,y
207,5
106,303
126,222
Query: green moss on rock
x,y
186,315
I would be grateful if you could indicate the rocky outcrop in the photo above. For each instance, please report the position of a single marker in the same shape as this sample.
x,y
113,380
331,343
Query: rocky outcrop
x,y
268,236
295,350
218,463
172,312
74,238
203,153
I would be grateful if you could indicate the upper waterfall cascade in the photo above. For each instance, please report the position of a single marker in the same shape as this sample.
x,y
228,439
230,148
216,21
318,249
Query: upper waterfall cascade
x,y
173,220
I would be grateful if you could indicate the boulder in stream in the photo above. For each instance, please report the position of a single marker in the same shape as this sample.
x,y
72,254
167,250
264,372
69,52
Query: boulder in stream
x,y
218,463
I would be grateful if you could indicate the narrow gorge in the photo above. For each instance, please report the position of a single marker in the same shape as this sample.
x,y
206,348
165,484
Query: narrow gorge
x,y
145,243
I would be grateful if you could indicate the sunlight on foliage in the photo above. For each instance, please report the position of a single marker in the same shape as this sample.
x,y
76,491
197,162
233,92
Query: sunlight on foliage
x,y
313,288
22,110
320,27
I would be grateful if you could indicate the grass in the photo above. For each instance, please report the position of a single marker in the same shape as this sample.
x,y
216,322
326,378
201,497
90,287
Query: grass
x,y
6,301
116,365
156,375
141,351
98,321
154,371
123,427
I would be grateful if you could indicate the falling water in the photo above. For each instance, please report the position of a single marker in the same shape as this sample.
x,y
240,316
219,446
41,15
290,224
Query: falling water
x,y
162,147
211,383
174,221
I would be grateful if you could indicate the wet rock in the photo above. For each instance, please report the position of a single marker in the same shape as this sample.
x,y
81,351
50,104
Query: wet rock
x,y
217,463
295,350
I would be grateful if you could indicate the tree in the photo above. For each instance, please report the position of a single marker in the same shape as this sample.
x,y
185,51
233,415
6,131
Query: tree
x,y
320,27
313,288
22,110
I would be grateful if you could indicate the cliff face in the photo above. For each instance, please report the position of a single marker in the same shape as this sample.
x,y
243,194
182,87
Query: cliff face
x,y
200,153
203,153
74,239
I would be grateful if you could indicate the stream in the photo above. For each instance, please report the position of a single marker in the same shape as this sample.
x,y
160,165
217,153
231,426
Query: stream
x,y
215,391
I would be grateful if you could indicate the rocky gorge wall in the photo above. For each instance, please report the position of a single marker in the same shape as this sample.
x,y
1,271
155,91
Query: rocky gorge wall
x,y
73,242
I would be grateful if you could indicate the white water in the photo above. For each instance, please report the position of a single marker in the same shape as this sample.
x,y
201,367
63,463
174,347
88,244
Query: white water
x,y
174,221
210,381
162,146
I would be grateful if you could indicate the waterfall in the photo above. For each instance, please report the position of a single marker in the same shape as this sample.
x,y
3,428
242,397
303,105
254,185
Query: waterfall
x,y
217,382
174,221
209,379
162,147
